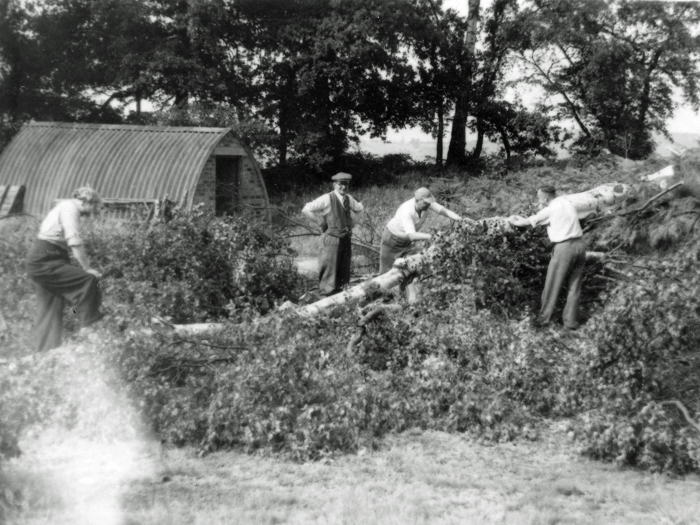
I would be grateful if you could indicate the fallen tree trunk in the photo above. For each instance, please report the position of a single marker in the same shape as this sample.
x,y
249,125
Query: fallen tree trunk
x,y
595,201
599,199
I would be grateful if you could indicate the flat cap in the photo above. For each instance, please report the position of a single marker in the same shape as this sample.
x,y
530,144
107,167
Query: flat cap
x,y
423,194
341,177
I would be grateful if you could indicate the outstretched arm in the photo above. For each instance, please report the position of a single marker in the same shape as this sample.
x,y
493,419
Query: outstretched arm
x,y
448,213
517,220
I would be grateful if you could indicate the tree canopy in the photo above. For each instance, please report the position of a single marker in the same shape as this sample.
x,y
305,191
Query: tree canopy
x,y
301,80
613,66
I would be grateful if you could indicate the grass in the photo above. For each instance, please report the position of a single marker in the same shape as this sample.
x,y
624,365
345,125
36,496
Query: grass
x,y
416,477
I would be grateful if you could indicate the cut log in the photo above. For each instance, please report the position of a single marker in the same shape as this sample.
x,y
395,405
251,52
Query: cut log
x,y
185,329
661,177
197,328
599,199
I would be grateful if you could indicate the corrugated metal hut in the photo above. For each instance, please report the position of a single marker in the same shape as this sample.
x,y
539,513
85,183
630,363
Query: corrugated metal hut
x,y
134,164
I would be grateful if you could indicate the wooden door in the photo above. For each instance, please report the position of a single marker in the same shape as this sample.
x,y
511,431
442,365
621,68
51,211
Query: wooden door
x,y
227,185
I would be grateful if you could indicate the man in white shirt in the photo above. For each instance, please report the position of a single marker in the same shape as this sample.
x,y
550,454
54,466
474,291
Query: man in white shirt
x,y
55,280
402,230
568,257
335,213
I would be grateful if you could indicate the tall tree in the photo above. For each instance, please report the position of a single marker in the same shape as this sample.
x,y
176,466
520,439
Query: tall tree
x,y
456,153
491,65
437,40
325,71
60,56
613,66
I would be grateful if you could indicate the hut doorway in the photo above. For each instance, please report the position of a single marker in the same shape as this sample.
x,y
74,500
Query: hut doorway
x,y
227,181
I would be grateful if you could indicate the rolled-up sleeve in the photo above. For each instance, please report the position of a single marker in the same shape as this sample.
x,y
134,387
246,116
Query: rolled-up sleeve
x,y
319,206
541,218
355,206
437,208
69,217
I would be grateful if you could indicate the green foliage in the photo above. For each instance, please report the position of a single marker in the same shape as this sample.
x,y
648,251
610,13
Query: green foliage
x,y
281,384
48,66
504,270
522,132
195,267
645,354
367,170
286,384
17,303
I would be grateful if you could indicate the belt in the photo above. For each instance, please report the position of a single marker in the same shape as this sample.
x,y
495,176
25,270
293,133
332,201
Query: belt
x,y
568,240
405,239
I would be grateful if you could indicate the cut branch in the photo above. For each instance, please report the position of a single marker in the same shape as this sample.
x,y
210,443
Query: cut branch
x,y
685,412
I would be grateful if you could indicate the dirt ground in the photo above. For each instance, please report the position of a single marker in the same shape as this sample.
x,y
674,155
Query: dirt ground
x,y
416,477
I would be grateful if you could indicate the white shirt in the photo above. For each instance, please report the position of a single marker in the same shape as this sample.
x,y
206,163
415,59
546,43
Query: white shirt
x,y
561,219
61,224
407,220
322,205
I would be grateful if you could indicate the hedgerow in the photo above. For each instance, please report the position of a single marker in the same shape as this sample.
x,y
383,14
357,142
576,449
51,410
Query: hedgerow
x,y
195,267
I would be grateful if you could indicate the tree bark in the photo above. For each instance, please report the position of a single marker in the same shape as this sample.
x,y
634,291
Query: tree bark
x,y
288,94
504,138
456,154
283,136
440,133
479,137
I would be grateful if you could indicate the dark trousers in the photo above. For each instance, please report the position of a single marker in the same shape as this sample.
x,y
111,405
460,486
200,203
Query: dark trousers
x,y
568,260
334,264
392,247
57,282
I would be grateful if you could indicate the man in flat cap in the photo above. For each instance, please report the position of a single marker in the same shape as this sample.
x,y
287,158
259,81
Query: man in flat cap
x,y
335,212
402,229
568,257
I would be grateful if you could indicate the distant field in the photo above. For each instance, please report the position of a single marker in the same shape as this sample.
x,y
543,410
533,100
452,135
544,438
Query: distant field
x,y
420,149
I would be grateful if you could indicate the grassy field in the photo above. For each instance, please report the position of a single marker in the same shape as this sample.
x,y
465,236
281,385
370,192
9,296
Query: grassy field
x,y
416,477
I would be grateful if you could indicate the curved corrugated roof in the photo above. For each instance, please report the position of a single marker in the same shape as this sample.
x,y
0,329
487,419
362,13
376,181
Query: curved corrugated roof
x,y
134,162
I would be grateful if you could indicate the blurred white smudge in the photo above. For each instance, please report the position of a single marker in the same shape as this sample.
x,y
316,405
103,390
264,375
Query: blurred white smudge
x,y
85,467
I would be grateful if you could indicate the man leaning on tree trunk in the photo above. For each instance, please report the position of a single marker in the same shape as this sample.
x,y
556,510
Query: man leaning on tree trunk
x,y
568,256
